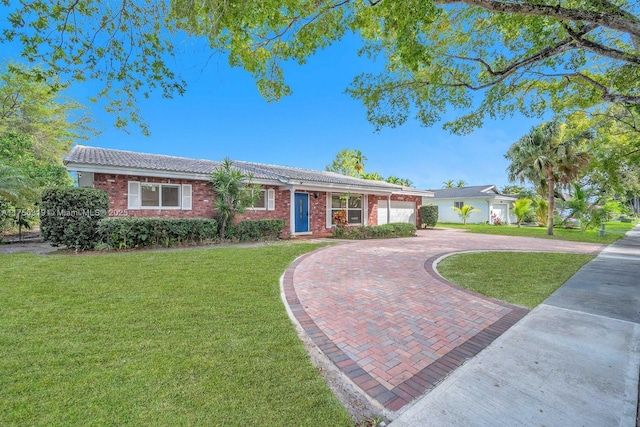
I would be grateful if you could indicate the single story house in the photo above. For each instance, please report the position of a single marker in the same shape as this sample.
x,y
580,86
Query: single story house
x,y
151,185
486,198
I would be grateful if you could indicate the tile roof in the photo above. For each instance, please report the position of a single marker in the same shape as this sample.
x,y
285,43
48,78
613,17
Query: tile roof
x,y
469,192
84,155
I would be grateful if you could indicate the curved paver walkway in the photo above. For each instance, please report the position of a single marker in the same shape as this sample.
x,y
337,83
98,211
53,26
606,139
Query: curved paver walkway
x,y
381,314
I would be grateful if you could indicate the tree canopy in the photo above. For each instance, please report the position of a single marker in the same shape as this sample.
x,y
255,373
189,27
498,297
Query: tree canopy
x,y
351,163
35,105
38,125
510,55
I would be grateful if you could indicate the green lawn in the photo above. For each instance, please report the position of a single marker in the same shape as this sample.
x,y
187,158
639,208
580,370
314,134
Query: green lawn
x,y
614,231
522,278
174,338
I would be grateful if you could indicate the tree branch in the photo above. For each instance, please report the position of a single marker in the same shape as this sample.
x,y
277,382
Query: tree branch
x,y
615,21
560,47
606,94
600,49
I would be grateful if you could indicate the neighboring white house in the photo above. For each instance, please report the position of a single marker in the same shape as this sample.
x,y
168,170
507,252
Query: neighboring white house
x,y
486,198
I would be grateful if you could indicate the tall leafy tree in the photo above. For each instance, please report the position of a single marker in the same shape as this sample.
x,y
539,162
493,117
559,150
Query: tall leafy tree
x,y
34,106
552,153
351,163
348,162
234,193
512,189
516,55
19,151
614,171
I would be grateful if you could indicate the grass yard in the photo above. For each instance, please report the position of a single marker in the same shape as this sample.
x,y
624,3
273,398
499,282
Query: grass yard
x,y
174,338
521,278
614,231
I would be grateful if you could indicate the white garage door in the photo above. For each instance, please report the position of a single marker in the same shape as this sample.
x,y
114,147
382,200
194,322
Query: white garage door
x,y
400,212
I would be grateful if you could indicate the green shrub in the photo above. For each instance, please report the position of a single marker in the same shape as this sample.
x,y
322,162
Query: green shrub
x,y
131,232
256,230
385,231
70,216
428,216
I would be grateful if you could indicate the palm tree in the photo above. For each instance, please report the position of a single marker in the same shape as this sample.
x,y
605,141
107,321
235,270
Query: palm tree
x,y
461,183
14,186
448,184
521,208
358,161
578,205
234,193
465,212
548,154
542,211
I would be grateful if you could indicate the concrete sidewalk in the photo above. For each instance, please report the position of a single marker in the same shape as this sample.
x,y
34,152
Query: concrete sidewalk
x,y
573,361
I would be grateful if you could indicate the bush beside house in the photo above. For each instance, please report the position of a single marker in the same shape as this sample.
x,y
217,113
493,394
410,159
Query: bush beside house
x,y
70,216
428,216
132,232
256,230
397,229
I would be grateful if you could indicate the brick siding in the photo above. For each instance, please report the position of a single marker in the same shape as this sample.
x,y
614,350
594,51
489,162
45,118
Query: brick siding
x,y
117,187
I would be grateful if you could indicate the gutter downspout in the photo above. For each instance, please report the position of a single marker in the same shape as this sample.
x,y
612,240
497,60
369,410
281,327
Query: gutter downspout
x,y
389,209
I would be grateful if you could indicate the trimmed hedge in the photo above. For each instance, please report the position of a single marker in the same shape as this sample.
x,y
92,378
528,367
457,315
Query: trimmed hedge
x,y
428,216
70,216
396,229
131,232
255,230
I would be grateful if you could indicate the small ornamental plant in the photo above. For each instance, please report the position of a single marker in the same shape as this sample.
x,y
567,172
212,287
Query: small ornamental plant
x,y
495,219
340,219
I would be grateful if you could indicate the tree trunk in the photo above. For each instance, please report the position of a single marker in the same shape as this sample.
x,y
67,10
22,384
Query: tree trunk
x,y
552,202
222,229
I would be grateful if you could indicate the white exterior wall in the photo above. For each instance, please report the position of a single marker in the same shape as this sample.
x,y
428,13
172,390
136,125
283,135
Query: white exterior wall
x,y
447,214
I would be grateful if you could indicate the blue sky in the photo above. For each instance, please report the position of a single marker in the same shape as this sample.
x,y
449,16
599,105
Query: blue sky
x,y
223,115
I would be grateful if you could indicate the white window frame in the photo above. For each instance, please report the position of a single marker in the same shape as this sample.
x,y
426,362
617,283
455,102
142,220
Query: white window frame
x,y
261,208
455,205
134,196
331,209
269,200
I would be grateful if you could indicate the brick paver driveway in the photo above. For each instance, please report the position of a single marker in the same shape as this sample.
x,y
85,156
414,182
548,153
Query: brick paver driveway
x,y
381,314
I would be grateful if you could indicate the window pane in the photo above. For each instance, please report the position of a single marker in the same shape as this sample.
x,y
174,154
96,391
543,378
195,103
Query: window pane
x,y
262,200
150,195
337,202
355,217
170,196
355,202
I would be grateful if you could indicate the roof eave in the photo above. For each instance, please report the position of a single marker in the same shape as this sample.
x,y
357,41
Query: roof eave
x,y
151,173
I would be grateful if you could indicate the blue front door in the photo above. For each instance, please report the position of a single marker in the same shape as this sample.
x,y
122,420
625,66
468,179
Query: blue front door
x,y
302,212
